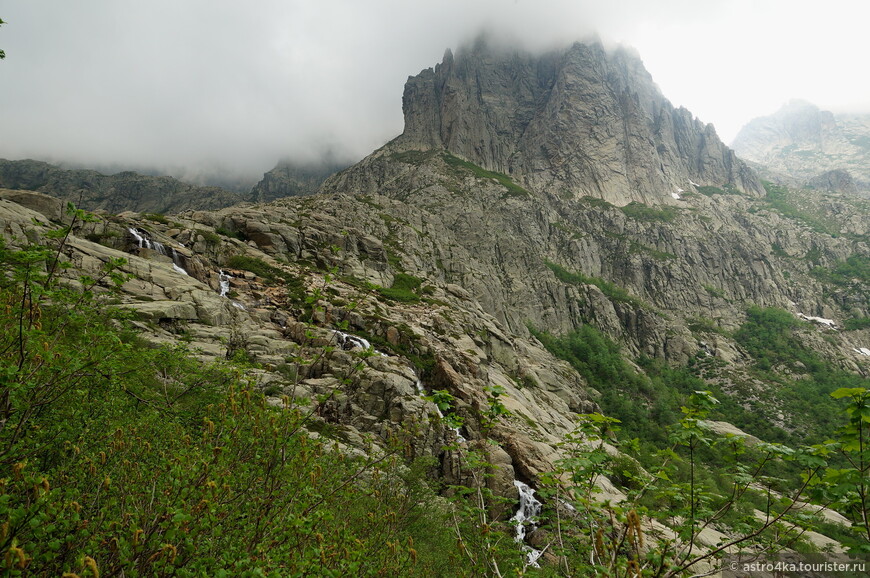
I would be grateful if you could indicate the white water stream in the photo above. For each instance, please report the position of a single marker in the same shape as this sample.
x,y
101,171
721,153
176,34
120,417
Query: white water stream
x,y
530,509
145,242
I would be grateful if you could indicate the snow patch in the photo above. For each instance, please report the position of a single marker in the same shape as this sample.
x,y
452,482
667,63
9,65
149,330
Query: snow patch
x,y
830,323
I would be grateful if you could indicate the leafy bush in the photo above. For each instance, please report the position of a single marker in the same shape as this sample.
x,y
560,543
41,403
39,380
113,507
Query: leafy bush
x,y
855,270
230,233
271,275
709,191
857,323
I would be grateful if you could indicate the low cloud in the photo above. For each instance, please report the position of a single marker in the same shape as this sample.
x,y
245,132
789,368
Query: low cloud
x,y
207,87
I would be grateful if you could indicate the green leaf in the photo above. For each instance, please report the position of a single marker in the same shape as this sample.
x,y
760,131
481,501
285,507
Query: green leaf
x,y
853,392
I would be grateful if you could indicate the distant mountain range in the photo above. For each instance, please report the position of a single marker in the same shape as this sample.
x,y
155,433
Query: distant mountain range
x,y
814,146
133,191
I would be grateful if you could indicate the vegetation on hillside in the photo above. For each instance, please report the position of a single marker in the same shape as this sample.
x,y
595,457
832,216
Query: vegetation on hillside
x,y
654,412
612,291
459,165
118,457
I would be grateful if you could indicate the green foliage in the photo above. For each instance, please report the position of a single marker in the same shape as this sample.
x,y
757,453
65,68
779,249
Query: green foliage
x,y
596,537
853,272
799,378
857,323
709,191
230,233
768,335
445,402
209,237
643,406
641,212
701,324
596,202
513,189
613,292
415,158
156,217
848,487
647,403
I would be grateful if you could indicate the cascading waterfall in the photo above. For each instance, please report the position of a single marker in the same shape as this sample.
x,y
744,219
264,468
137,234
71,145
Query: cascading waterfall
x,y
145,242
224,283
530,509
142,239
348,342
224,288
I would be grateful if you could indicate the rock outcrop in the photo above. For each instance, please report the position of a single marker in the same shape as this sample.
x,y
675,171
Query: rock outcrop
x,y
575,122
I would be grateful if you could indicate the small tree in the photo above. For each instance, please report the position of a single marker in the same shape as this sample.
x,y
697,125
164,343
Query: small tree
x,y
848,487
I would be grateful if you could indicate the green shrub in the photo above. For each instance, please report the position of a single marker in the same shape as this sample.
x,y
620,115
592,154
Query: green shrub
x,y
230,233
156,217
857,323
405,288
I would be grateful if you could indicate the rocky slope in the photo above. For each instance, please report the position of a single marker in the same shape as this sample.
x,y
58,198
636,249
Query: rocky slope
x,y
802,141
183,286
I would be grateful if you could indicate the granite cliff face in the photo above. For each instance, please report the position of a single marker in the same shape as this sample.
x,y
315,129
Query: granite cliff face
x,y
574,122
802,141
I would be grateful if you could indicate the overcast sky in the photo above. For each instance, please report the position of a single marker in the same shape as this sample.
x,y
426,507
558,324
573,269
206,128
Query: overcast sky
x,y
208,86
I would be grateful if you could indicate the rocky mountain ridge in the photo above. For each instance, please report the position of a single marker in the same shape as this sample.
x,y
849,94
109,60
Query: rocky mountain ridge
x,y
124,191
